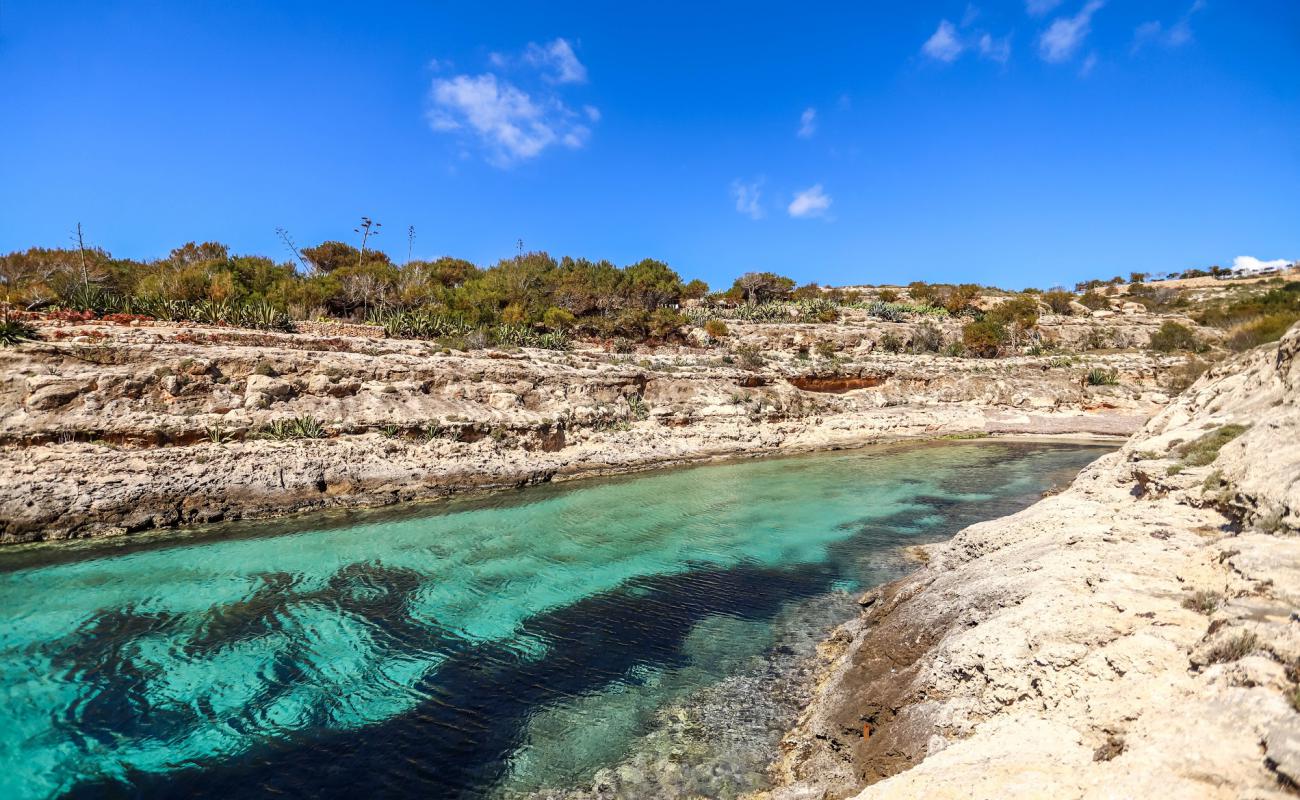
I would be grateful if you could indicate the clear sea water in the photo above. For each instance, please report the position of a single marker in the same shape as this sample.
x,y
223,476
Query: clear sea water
x,y
643,636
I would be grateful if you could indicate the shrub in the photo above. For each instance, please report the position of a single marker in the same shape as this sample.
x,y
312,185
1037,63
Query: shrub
x,y
984,338
750,356
1102,377
1205,448
959,298
1204,601
14,332
1175,336
922,292
1059,301
927,338
623,345
1233,649
716,328
1263,329
1093,300
891,343
558,319
1185,374
887,295
664,322
824,348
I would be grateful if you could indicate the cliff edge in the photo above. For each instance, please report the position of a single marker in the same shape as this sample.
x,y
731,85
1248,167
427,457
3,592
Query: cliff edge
x,y
1136,635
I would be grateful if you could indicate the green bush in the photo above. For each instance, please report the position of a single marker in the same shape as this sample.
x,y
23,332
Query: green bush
x,y
984,338
927,338
1205,448
716,328
1261,330
1093,300
1173,336
750,356
1059,301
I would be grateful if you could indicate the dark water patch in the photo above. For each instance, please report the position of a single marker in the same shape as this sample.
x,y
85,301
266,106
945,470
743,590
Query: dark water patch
x,y
508,646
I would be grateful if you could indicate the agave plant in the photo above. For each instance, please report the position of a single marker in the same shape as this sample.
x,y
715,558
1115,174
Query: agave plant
x,y
218,434
1102,377
214,312
555,340
88,297
307,427
264,315
14,332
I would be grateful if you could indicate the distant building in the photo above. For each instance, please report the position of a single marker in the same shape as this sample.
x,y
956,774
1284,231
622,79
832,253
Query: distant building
x,y
1251,267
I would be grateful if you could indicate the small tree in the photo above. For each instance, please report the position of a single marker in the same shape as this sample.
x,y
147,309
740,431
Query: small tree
x,y
984,337
762,287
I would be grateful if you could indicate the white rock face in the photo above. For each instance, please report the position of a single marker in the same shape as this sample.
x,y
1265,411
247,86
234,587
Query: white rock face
x,y
173,428
1134,636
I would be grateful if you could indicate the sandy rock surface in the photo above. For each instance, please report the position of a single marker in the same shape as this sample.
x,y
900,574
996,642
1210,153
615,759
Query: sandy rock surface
x,y
1134,636
108,429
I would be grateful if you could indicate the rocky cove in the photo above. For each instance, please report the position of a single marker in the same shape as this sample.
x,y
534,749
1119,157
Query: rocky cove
x,y
1065,642
119,428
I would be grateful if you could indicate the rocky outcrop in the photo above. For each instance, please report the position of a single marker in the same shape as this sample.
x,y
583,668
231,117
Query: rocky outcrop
x,y
109,429
1136,635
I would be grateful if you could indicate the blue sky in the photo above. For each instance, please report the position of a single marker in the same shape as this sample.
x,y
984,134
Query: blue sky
x,y
1026,142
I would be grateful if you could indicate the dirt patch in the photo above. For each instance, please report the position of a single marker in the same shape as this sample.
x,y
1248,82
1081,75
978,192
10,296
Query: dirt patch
x,y
836,384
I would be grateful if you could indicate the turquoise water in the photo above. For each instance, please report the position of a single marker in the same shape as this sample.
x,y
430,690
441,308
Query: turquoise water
x,y
511,645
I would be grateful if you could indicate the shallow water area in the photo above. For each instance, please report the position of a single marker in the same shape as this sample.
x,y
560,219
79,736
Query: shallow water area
x,y
640,636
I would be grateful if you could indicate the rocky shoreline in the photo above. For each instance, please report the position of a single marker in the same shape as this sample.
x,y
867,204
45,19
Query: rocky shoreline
x,y
1136,635
109,429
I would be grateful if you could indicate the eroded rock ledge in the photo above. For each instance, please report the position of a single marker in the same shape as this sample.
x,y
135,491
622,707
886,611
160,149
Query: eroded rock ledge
x,y
106,429
1133,636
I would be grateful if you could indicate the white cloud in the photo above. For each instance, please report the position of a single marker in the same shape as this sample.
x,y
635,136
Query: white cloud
x,y
1252,264
1062,39
510,123
807,123
1039,7
1089,63
943,45
559,61
1175,35
748,197
998,50
811,202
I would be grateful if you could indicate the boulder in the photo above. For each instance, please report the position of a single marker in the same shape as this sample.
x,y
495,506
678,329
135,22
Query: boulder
x,y
45,392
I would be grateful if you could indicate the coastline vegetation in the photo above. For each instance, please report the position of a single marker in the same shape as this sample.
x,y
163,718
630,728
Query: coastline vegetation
x,y
535,300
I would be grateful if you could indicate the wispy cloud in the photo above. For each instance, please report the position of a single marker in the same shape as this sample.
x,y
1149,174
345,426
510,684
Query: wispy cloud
x,y
557,60
811,202
807,123
1088,65
998,50
748,196
944,44
947,43
510,123
1038,8
1065,35
1175,35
